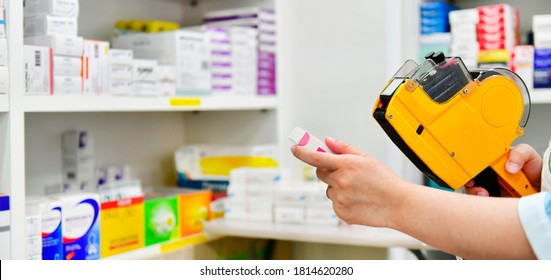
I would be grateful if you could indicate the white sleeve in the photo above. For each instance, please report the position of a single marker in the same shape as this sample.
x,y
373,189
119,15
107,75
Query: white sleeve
x,y
535,217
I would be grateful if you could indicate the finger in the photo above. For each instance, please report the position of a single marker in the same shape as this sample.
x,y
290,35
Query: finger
x,y
327,192
523,157
316,159
470,184
341,147
477,191
325,175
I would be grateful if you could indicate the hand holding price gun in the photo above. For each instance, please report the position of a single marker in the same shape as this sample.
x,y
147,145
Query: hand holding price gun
x,y
456,125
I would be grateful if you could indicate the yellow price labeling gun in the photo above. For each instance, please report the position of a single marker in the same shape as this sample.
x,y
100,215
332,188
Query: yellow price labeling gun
x,y
456,125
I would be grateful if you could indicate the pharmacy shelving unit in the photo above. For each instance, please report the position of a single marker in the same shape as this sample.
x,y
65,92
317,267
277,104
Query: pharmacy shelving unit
x,y
4,103
143,132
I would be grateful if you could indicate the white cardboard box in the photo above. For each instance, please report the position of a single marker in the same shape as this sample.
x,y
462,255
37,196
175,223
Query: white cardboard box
x,y
60,44
49,25
2,24
144,70
3,52
63,8
95,68
37,64
187,50
64,85
122,87
120,72
4,80
121,56
67,66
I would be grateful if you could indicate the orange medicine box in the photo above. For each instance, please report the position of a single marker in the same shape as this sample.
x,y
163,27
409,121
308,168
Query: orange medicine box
x,y
122,226
194,210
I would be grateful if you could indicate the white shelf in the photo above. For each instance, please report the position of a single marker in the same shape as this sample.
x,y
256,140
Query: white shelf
x,y
4,103
343,235
156,250
541,96
144,104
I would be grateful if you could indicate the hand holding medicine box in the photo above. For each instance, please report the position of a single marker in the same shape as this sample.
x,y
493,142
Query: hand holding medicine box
x,y
302,138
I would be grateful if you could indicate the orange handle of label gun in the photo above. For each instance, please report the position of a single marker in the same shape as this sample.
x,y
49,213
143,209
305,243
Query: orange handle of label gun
x,y
516,184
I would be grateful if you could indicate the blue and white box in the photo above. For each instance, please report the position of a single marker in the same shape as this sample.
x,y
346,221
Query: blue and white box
x,y
5,243
80,225
52,236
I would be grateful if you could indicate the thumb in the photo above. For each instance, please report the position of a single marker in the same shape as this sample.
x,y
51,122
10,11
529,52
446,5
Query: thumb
x,y
520,157
524,157
341,147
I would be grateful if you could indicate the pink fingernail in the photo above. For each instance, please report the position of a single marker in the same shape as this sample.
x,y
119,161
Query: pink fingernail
x,y
512,167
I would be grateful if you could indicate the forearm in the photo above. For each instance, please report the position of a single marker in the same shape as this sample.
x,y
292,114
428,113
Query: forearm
x,y
468,226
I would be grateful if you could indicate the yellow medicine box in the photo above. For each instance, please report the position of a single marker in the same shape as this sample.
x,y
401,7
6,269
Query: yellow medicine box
x,y
122,226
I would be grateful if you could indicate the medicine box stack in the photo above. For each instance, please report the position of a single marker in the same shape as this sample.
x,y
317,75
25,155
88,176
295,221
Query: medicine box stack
x,y
33,231
166,75
245,72
498,27
78,161
185,49
260,194
264,20
434,17
53,24
522,63
541,25
435,27
220,59
464,36
50,17
37,62
5,232
80,219
120,71
234,58
251,194
498,32
95,67
4,73
145,78
44,223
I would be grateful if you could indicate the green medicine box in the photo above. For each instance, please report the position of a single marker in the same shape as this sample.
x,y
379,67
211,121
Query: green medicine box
x,y
161,219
